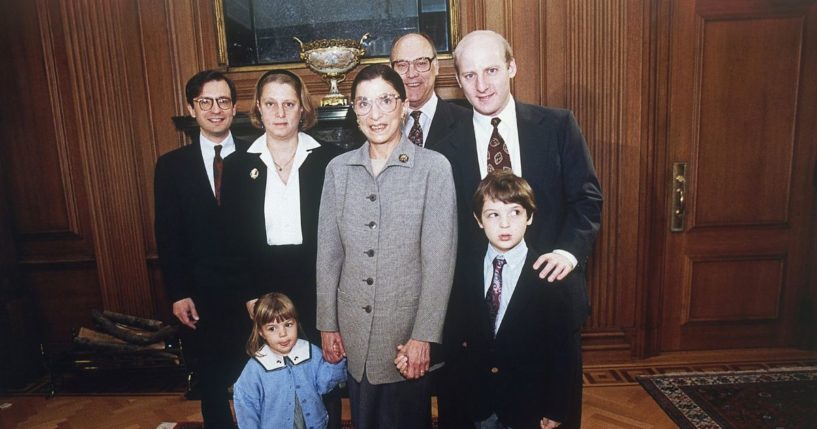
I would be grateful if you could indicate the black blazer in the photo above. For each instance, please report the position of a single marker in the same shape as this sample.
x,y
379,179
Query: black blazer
x,y
446,119
190,233
521,374
242,198
556,162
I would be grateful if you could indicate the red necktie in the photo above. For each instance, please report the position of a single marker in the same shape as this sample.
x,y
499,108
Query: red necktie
x,y
498,156
494,293
218,168
416,132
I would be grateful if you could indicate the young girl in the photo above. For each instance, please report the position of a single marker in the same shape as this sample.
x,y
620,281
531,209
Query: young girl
x,y
281,386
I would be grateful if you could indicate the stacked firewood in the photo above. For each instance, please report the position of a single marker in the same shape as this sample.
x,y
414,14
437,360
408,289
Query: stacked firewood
x,y
125,333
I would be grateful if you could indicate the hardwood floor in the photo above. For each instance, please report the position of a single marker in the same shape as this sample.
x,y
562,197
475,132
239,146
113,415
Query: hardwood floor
x,y
612,399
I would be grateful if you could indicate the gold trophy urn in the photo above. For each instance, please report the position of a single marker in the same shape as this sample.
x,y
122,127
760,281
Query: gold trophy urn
x,y
332,59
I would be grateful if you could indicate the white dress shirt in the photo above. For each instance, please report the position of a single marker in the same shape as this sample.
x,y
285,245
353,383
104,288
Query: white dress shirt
x,y
208,153
514,263
427,115
282,201
510,133
507,129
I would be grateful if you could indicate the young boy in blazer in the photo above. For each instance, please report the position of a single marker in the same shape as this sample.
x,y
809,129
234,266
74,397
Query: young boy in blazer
x,y
516,327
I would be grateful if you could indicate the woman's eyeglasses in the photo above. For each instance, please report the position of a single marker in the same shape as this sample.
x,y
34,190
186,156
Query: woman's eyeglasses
x,y
386,103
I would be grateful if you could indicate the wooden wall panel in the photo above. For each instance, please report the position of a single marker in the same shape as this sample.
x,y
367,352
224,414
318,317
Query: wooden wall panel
x,y
728,50
112,85
63,296
19,337
753,285
38,141
604,63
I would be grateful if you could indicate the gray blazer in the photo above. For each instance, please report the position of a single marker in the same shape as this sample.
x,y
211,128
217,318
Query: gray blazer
x,y
386,254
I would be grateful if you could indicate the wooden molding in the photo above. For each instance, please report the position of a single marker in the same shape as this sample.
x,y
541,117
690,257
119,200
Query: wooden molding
x,y
97,51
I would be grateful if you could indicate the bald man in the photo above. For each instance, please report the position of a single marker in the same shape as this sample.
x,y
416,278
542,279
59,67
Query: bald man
x,y
430,118
544,146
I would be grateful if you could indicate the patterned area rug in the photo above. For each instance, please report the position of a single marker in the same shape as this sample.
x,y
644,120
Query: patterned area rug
x,y
775,399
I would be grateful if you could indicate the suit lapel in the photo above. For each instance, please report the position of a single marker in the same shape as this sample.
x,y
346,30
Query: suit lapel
x,y
528,280
441,125
201,182
475,295
464,143
258,186
531,147
309,177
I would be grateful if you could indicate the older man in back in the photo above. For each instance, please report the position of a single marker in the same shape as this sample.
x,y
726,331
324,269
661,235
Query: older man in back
x,y
430,119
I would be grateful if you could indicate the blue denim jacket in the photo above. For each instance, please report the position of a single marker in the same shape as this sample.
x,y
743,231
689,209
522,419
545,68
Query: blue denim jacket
x,y
265,392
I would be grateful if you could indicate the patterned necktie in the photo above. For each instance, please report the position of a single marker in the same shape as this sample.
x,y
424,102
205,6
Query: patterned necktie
x,y
218,168
416,132
495,292
498,156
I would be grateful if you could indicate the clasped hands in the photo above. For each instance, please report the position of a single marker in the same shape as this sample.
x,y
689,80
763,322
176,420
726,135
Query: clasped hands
x,y
413,359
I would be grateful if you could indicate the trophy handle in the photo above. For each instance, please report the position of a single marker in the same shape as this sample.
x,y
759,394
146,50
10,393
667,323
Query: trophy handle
x,y
302,43
365,36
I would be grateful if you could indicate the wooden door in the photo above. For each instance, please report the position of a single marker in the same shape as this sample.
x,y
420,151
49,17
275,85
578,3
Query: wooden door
x,y
741,110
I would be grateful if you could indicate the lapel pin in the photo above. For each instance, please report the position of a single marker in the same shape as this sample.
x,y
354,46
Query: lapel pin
x,y
403,158
254,173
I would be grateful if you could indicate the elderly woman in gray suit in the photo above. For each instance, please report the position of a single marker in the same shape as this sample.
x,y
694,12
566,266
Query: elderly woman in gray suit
x,y
387,246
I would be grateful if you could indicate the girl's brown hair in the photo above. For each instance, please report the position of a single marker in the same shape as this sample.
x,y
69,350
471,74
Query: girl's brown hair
x,y
273,307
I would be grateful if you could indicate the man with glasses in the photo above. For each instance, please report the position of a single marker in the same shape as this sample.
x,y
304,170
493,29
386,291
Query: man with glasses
x,y
429,121
190,242
430,118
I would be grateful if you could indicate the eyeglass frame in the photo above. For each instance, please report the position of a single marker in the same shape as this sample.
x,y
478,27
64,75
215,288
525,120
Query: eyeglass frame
x,y
409,64
213,102
377,100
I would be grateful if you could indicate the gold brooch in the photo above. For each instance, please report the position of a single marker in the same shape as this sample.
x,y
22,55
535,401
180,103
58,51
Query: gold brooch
x,y
403,158
254,174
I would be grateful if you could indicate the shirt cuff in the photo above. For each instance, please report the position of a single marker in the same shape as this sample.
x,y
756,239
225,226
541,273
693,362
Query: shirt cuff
x,y
572,259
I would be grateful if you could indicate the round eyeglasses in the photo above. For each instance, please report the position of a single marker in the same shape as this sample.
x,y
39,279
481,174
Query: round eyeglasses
x,y
386,103
422,64
206,103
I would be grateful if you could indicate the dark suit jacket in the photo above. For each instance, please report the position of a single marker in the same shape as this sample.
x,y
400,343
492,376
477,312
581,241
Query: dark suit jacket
x,y
190,232
243,198
519,375
446,119
556,162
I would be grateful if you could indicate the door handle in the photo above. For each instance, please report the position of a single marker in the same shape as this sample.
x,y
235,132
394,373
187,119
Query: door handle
x,y
679,191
